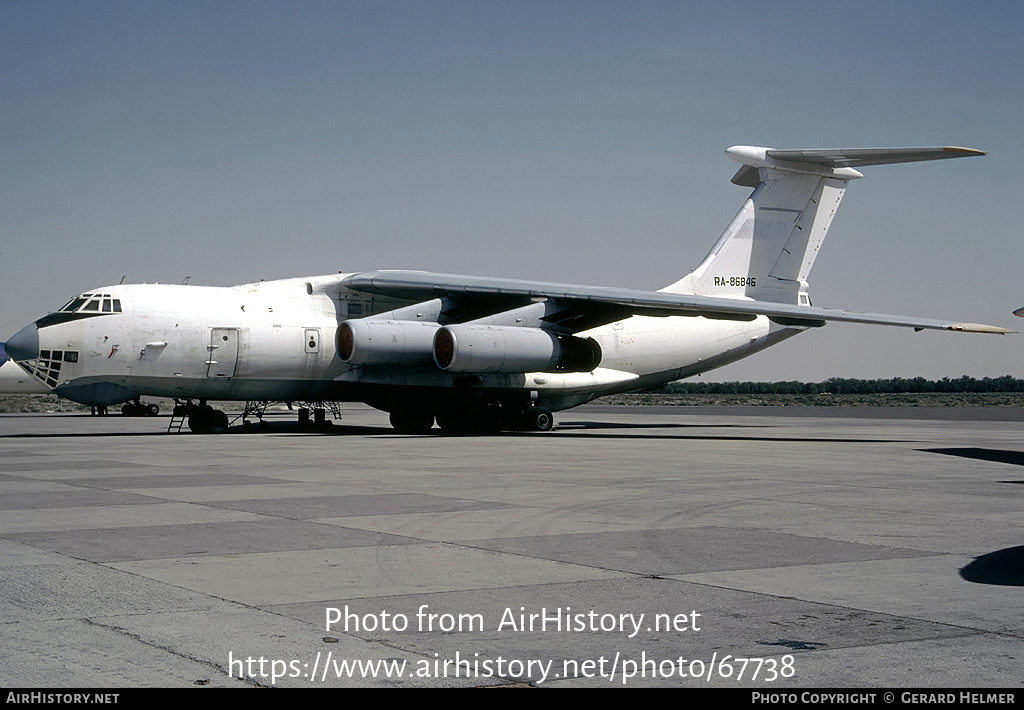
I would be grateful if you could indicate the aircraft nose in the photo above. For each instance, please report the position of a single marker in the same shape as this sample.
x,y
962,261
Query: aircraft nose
x,y
24,345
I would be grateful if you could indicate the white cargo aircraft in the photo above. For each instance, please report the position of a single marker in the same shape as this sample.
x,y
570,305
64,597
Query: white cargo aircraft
x,y
468,352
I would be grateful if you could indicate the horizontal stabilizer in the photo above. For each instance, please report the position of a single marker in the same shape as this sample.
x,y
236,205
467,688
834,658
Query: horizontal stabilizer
x,y
836,162
859,157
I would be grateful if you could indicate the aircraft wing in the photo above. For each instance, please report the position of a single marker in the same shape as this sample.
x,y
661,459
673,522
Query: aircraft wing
x,y
584,307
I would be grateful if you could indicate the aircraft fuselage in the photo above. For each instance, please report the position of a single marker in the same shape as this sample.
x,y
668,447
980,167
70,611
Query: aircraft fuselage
x,y
277,340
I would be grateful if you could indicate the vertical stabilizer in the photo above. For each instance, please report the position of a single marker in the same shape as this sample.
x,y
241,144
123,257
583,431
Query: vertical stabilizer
x,y
767,251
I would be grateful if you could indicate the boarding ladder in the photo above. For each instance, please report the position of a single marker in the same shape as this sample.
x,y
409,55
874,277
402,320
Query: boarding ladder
x,y
178,420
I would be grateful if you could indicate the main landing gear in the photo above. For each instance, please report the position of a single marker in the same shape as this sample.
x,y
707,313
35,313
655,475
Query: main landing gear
x,y
538,419
472,421
138,409
412,421
202,418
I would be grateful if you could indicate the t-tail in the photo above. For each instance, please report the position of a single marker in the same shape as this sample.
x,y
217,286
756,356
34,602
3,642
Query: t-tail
x,y
767,251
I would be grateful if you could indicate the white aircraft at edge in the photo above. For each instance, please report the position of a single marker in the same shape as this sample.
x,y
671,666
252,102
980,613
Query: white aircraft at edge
x,y
14,380
468,352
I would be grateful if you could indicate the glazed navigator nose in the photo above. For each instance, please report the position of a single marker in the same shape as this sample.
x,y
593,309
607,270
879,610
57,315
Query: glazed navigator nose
x,y
24,345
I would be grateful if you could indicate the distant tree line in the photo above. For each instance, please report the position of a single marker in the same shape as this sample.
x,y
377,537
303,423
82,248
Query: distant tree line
x,y
841,385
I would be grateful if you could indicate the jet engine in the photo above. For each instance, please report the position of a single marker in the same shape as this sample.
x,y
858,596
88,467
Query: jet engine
x,y
505,349
386,342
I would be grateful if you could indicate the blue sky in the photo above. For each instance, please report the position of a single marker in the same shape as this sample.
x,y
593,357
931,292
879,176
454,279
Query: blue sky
x,y
568,141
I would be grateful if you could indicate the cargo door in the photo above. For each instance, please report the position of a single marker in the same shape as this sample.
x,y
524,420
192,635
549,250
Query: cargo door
x,y
223,356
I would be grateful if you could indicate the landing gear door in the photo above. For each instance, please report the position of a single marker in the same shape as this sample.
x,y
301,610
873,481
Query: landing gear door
x,y
223,349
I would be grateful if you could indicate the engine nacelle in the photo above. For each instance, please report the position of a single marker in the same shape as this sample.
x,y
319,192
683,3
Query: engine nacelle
x,y
511,350
386,342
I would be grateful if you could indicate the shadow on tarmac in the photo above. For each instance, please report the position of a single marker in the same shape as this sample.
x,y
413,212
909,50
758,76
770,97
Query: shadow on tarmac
x,y
1001,456
607,430
1002,567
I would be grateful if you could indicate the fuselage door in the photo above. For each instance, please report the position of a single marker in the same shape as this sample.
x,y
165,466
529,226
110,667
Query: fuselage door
x,y
223,355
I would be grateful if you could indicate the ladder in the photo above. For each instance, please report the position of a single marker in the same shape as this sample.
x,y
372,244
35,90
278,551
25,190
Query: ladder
x,y
177,422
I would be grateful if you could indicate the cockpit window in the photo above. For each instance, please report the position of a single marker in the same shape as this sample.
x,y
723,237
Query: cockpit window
x,y
92,303
73,305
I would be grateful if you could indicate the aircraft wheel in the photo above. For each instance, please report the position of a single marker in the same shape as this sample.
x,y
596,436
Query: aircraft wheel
x,y
539,418
218,421
198,423
136,409
448,423
455,423
412,422
208,421
470,422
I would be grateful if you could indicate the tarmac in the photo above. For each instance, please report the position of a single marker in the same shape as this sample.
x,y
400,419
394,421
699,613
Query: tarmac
x,y
632,546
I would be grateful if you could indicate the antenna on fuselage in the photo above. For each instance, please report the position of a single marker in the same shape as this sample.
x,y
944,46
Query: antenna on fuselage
x,y
185,280
123,279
